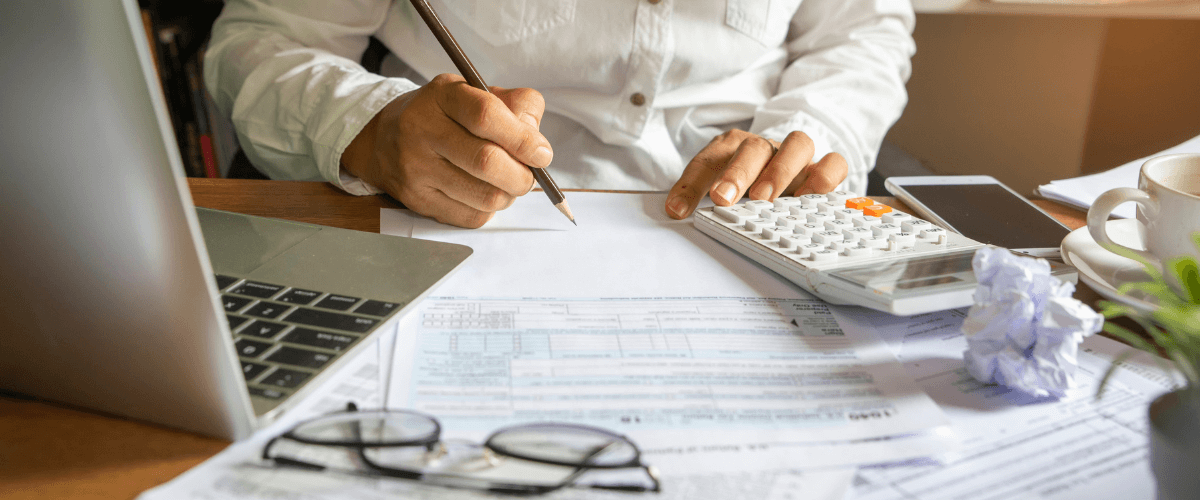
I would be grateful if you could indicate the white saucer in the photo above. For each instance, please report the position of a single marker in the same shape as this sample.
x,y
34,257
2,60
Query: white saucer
x,y
1103,270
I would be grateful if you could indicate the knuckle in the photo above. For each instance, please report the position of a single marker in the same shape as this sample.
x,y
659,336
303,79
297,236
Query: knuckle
x,y
800,138
529,96
495,199
477,219
487,158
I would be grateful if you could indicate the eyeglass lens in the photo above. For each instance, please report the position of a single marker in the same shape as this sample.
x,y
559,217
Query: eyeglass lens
x,y
370,428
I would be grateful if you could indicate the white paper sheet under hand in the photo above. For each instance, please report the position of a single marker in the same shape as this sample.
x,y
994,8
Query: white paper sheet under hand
x,y
1081,192
624,246
1017,446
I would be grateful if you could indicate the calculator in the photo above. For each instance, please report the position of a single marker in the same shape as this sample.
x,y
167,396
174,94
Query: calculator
x,y
848,249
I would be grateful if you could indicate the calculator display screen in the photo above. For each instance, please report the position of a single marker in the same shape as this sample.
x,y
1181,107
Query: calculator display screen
x,y
989,213
912,275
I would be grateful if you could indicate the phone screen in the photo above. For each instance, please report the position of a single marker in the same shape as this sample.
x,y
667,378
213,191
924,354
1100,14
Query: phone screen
x,y
988,213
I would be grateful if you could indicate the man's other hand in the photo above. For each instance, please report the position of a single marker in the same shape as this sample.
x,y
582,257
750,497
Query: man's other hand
x,y
737,162
451,151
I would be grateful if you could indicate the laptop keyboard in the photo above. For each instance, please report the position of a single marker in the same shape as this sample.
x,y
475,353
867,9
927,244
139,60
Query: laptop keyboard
x,y
284,335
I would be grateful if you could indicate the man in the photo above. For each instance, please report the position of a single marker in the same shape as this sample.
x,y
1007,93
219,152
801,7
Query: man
x,y
717,97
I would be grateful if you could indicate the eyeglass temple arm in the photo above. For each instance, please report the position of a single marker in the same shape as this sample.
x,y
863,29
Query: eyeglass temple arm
x,y
291,462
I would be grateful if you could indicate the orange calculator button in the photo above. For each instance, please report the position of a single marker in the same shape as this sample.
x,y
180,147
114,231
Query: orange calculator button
x,y
876,210
859,203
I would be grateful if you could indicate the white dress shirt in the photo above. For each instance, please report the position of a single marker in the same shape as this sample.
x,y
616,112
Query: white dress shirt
x,y
633,88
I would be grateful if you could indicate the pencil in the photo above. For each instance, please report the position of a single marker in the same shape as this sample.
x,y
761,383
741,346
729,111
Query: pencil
x,y
472,76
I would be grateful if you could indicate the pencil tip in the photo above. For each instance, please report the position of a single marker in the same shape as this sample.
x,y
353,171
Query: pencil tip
x,y
573,222
566,210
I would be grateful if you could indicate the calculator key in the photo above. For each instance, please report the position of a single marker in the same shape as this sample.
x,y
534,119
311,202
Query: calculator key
x,y
251,370
818,218
858,233
266,393
250,348
773,213
847,214
896,218
377,308
789,221
839,197
786,202
793,241
827,207
300,357
283,377
827,237
223,281
233,304
823,256
804,251
839,246
811,200
758,205
878,242
837,225
916,226
902,240
756,225
857,251
735,215
802,212
331,320
264,329
876,210
859,203
337,302
324,340
885,230
299,296
809,229
256,289
934,235
867,221
266,310
776,232
235,321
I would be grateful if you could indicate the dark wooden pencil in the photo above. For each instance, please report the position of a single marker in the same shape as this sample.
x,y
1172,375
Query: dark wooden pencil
x,y
472,76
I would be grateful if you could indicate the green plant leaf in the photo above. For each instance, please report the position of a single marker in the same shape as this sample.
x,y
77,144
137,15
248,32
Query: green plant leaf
x,y
1112,369
1188,274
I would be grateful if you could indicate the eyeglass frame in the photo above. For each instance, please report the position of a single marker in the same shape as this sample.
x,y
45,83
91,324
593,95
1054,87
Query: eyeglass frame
x,y
433,439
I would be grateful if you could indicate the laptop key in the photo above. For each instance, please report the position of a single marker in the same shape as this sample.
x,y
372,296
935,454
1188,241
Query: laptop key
x,y
233,304
223,281
299,296
300,357
283,377
252,370
331,320
256,289
235,321
264,329
266,310
266,393
250,348
324,340
377,308
337,302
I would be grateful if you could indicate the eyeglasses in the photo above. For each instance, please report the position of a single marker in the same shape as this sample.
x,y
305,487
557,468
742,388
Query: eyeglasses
x,y
529,459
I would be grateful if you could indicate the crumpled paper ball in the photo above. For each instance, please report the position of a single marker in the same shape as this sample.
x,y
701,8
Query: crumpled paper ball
x,y
1024,330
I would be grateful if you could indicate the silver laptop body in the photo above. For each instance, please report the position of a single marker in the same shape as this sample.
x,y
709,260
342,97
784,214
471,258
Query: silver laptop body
x,y
108,297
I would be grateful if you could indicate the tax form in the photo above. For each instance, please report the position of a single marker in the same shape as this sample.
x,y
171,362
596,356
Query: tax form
x,y
641,324
1015,446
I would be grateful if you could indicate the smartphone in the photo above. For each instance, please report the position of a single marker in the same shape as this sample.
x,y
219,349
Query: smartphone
x,y
983,209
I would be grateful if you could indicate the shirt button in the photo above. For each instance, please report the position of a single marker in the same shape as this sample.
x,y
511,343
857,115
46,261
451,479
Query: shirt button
x,y
637,99
654,2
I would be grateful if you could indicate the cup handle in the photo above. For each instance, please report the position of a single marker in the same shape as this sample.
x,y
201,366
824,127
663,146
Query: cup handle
x,y
1097,216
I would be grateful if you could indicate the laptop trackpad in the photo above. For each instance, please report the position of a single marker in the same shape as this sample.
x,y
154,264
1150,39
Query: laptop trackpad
x,y
238,244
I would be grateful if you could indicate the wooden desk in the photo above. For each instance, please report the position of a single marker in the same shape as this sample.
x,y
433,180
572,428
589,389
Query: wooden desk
x,y
51,451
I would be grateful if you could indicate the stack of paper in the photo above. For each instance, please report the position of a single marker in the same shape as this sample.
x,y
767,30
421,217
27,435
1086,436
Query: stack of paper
x,y
1081,192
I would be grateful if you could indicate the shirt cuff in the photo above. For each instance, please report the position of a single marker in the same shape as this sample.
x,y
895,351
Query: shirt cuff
x,y
330,146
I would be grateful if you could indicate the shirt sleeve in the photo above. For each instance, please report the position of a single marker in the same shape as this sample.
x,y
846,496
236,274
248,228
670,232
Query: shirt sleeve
x,y
848,61
287,74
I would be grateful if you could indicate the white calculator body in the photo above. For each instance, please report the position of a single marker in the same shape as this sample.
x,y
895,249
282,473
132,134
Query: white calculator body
x,y
852,250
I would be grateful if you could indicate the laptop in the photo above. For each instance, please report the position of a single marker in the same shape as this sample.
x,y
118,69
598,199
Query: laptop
x,y
116,293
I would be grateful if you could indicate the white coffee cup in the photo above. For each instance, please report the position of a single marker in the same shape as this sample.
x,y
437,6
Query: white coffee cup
x,y
1168,207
